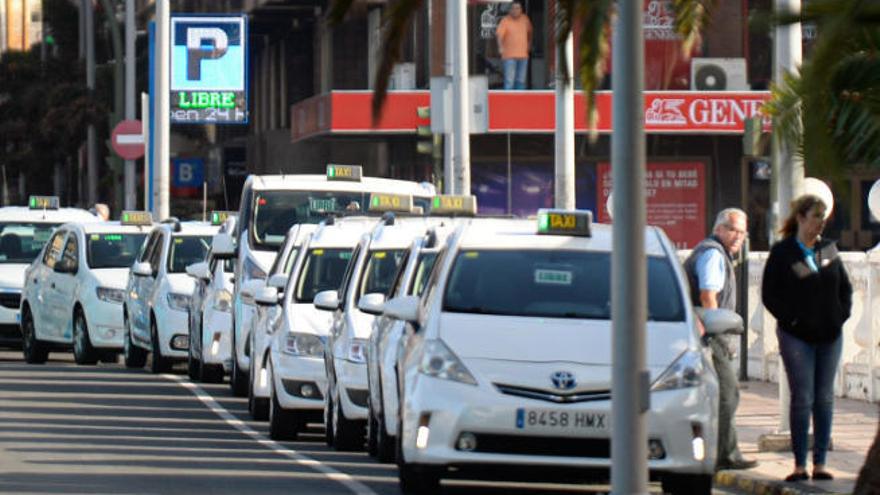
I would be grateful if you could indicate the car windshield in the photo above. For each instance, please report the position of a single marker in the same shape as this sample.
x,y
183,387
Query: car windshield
x,y
276,211
113,250
22,242
186,250
323,270
420,278
379,272
555,284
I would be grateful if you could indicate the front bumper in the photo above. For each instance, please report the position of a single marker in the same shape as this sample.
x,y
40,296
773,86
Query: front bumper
x,y
291,373
351,383
171,323
105,323
217,338
449,409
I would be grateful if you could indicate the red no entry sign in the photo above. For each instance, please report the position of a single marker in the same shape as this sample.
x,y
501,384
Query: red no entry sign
x,y
128,139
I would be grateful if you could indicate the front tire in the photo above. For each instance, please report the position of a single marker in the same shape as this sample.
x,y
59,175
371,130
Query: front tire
x,y
283,424
257,406
133,356
237,379
83,351
159,364
193,365
34,350
414,478
348,434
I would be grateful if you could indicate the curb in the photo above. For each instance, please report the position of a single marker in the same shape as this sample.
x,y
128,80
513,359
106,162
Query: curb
x,y
754,485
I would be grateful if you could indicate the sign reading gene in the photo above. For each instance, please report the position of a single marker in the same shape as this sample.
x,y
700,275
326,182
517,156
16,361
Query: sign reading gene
x,y
209,69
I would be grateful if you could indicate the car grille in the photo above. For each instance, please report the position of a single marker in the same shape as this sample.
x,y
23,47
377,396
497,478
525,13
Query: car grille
x,y
531,393
10,300
358,397
598,448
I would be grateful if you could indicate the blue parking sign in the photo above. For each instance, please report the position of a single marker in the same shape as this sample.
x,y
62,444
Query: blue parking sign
x,y
209,69
188,172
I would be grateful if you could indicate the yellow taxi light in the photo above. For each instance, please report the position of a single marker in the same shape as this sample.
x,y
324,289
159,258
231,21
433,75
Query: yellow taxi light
x,y
391,202
219,217
344,172
565,222
448,204
136,218
43,202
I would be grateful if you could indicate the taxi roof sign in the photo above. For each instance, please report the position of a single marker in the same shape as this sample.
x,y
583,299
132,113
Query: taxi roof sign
x,y
219,217
136,218
43,202
344,172
565,222
451,204
402,203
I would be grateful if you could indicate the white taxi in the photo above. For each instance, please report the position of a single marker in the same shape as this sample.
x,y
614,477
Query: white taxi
x,y
268,312
158,294
24,231
373,268
270,205
210,310
73,293
508,357
298,381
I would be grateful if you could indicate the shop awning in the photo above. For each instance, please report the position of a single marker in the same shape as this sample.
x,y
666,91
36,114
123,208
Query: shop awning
x,y
530,112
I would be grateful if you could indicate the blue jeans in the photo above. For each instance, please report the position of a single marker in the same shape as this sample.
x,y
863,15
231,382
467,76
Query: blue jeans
x,y
811,369
515,73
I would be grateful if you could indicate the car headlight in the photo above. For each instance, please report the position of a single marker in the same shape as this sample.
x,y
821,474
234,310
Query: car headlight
x,y
357,351
439,361
303,344
687,371
107,294
250,270
179,302
222,301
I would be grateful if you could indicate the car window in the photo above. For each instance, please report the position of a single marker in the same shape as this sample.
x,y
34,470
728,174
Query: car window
x,y
379,271
155,258
22,242
116,250
551,283
323,269
53,250
398,279
186,250
147,249
71,253
423,270
349,270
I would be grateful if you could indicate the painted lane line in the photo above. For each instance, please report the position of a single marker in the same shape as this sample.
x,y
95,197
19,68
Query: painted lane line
x,y
352,484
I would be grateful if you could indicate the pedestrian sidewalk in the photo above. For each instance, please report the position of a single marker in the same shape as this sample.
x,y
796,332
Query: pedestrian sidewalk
x,y
855,425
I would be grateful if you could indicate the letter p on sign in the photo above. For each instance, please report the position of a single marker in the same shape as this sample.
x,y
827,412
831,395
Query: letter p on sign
x,y
196,38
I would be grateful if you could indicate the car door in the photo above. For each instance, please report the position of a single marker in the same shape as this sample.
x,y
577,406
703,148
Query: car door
x,y
138,294
40,291
63,284
152,284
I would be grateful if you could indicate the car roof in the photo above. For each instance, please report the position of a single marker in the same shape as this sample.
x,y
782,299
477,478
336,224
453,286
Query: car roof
x,y
61,215
298,234
190,228
109,227
401,233
341,232
522,234
315,182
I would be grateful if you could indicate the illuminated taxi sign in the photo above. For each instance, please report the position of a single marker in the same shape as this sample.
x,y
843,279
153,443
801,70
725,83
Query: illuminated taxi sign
x,y
219,217
391,202
565,222
43,202
136,218
344,172
448,204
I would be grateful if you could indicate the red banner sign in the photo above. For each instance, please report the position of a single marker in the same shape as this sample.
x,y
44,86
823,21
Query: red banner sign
x,y
676,199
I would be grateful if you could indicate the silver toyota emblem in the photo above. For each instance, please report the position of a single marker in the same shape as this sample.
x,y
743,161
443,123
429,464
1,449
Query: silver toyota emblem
x,y
563,380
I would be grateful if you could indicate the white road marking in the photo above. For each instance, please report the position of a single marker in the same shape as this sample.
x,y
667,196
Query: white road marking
x,y
303,460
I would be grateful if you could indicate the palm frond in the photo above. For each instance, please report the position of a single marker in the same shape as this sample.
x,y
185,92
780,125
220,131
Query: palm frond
x,y
595,18
691,18
396,23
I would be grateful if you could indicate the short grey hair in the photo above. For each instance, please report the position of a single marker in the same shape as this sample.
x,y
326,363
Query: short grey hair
x,y
724,215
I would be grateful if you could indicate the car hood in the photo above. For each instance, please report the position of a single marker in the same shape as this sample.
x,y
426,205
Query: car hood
x,y
306,318
492,343
12,275
264,258
114,278
181,283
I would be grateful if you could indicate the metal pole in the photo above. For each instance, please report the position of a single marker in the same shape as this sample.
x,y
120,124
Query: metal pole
x,y
630,379
448,137
460,98
91,142
130,190
148,149
788,168
564,159
162,109
742,302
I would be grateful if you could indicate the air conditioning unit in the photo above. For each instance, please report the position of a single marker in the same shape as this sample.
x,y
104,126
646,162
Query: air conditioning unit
x,y
719,74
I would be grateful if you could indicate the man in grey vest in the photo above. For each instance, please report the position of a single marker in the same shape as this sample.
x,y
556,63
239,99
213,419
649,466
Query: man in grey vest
x,y
713,285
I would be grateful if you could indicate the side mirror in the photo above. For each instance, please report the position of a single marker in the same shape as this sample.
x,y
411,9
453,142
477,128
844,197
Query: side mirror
x,y
142,269
327,300
249,290
372,303
64,266
223,246
721,321
199,271
267,296
404,308
279,281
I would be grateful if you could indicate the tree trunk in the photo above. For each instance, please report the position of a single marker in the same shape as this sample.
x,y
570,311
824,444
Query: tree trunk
x,y
869,477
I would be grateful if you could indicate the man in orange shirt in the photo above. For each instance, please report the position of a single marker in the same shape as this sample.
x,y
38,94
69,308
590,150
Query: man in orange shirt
x,y
514,35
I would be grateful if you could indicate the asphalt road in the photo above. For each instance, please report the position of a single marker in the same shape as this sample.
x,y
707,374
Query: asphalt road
x,y
105,429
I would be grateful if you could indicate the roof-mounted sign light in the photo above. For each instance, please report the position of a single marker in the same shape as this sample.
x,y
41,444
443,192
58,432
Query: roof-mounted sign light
x,y
43,202
136,218
448,204
565,222
344,172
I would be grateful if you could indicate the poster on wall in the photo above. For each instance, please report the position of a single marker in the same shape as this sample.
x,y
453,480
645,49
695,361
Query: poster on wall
x,y
676,199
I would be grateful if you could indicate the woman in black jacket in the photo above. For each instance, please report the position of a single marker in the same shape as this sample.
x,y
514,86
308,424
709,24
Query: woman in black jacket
x,y
807,290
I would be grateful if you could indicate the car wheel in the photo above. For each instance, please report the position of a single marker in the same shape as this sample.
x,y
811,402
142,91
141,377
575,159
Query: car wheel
x,y
328,420
83,352
258,406
348,434
193,365
283,424
35,351
372,431
133,356
682,484
159,364
237,379
414,478
385,443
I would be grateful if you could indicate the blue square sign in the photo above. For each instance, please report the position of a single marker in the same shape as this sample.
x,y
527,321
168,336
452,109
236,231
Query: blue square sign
x,y
188,172
209,69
